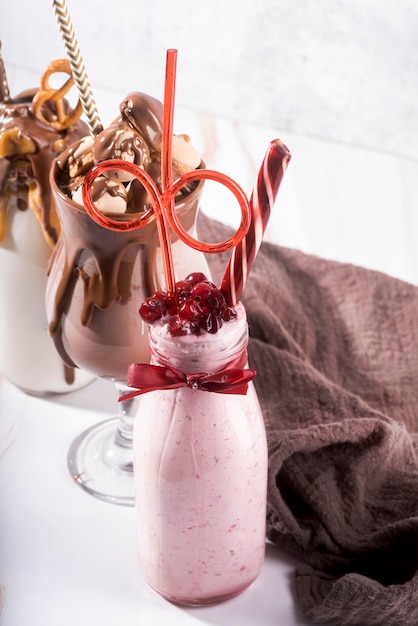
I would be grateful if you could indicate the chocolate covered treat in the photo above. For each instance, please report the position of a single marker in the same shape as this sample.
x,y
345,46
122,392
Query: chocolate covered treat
x,y
32,135
134,136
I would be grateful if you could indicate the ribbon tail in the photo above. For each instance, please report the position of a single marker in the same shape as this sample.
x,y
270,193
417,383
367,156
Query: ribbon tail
x,y
131,394
240,390
233,381
147,389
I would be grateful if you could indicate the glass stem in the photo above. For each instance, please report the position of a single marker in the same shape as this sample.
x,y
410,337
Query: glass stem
x,y
124,432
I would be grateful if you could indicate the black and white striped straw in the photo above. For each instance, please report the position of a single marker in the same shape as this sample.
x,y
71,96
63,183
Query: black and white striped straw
x,y
77,66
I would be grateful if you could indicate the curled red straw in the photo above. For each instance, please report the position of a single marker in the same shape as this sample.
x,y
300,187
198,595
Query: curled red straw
x,y
163,204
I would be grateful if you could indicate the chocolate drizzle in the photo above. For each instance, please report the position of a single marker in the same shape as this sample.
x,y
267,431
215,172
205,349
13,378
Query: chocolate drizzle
x,y
144,114
97,280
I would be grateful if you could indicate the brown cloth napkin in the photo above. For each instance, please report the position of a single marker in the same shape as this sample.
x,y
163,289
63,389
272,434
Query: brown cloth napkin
x,y
335,347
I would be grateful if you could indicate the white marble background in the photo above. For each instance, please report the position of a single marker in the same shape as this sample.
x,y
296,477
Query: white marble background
x,y
337,80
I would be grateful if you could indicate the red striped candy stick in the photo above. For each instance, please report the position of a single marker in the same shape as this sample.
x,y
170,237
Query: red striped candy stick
x,y
262,199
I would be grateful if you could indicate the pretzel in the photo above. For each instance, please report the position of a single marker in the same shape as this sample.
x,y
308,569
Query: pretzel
x,y
4,199
47,93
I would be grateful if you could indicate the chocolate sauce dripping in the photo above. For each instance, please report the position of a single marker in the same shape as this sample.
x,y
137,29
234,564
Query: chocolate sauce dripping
x,y
93,269
16,113
4,87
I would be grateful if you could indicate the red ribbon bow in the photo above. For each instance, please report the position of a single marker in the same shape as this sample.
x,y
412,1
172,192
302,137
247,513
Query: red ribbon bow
x,y
145,377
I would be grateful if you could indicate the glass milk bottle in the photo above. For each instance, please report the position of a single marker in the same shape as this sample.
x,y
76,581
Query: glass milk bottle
x,y
200,472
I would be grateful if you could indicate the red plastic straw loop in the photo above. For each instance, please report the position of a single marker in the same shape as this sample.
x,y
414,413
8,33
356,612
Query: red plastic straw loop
x,y
226,181
104,220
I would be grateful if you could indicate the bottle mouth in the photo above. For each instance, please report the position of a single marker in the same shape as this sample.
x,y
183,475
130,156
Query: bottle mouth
x,y
200,353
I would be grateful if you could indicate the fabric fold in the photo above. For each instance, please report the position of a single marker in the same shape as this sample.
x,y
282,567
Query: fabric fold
x,y
335,347
353,600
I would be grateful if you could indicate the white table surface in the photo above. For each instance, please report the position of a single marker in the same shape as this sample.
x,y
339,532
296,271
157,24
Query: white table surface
x,y
67,558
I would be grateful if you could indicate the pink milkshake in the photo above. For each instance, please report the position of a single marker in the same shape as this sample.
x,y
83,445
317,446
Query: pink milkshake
x,y
200,459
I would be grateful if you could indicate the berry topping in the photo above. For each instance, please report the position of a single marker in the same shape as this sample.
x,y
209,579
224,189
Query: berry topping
x,y
196,306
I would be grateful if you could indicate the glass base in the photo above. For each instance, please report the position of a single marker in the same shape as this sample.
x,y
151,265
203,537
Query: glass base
x,y
101,465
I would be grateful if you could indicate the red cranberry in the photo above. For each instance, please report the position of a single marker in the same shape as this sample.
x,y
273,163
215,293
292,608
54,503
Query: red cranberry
x,y
190,311
211,323
228,313
153,308
195,277
178,326
183,289
209,296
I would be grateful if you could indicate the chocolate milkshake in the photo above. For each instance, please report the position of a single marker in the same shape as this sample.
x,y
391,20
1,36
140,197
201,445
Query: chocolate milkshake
x,y
97,277
31,137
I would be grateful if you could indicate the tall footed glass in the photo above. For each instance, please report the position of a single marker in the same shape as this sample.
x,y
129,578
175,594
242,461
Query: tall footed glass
x,y
96,283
